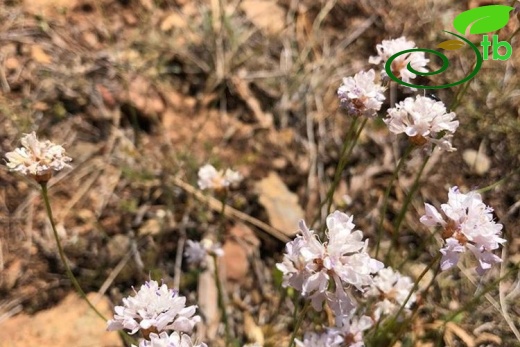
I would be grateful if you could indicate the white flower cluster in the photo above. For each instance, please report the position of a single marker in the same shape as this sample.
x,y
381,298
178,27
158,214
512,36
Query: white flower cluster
x,y
329,338
310,265
323,272
469,226
173,340
351,334
37,158
391,289
210,178
424,120
196,252
399,66
154,310
360,95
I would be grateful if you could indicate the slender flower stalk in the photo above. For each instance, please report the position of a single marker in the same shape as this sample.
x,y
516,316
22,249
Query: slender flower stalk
x,y
348,146
68,271
222,301
406,204
379,233
301,315
38,160
220,182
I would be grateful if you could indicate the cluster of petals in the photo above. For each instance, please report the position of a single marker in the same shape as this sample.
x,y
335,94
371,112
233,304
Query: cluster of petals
x,y
311,266
329,338
399,66
175,339
391,289
361,95
196,252
154,308
37,158
350,334
210,178
469,225
424,120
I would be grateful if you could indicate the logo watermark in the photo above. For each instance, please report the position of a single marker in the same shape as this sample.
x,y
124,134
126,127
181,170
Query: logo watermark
x,y
480,20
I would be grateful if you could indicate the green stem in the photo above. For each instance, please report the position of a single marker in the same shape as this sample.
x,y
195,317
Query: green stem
x,y
68,271
220,230
467,307
343,162
349,144
299,321
222,302
330,192
387,195
414,288
404,208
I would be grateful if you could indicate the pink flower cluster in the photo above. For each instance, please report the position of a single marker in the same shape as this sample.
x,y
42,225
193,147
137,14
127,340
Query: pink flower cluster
x,y
469,225
324,271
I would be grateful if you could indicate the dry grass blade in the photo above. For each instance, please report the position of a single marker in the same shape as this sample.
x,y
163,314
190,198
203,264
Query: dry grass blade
x,y
229,211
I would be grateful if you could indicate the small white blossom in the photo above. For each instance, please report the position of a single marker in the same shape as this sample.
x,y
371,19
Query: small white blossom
x,y
399,66
352,330
424,120
210,178
154,308
360,95
392,289
329,338
196,252
37,158
173,340
309,265
469,225
349,334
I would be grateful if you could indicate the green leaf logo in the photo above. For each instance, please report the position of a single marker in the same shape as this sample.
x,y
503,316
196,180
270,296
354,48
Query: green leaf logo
x,y
451,45
483,19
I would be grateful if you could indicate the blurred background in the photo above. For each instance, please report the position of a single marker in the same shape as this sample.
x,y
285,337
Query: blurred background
x,y
141,93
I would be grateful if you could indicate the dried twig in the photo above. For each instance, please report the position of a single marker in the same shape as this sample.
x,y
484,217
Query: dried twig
x,y
216,205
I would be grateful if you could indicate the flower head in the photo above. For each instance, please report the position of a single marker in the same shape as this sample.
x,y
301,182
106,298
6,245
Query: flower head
x,y
173,340
391,289
352,330
210,178
154,308
360,95
349,334
399,66
310,265
424,120
329,338
469,225
196,252
37,158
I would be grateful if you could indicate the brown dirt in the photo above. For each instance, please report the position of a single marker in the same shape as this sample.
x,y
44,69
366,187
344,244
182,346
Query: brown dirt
x,y
142,93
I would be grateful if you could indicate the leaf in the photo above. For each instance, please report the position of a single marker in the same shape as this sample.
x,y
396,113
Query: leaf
x,y
483,19
451,45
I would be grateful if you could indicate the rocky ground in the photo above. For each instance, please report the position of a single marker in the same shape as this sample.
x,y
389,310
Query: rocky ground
x,y
142,93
